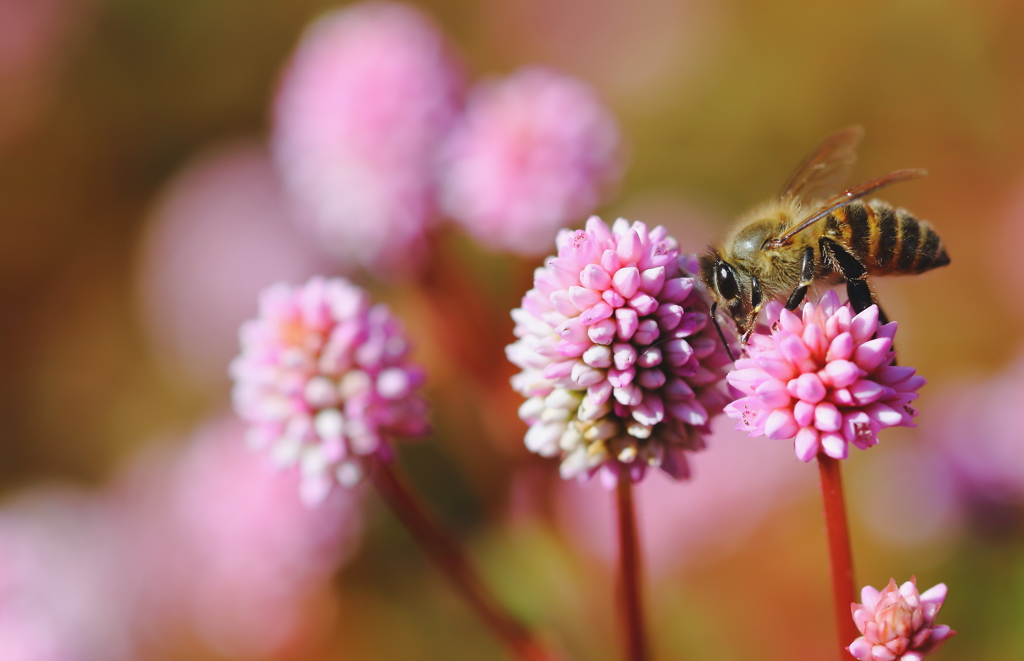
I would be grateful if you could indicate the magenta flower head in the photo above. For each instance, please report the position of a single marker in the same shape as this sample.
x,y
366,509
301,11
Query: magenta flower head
x,y
621,368
359,119
324,380
898,624
534,152
824,377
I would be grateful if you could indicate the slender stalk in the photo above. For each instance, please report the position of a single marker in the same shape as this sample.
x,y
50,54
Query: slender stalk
x,y
840,557
445,552
630,606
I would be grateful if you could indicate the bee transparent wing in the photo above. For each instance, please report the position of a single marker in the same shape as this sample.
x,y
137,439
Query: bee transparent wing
x,y
827,167
846,197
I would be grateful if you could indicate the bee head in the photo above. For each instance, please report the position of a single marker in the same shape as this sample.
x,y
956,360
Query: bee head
x,y
724,282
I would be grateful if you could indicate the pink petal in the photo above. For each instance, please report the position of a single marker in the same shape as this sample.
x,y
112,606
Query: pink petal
x,y
652,280
864,325
626,281
644,304
808,387
676,289
841,348
583,298
870,355
594,277
613,298
773,393
780,425
803,412
842,373
603,332
627,321
827,417
834,445
630,249
806,444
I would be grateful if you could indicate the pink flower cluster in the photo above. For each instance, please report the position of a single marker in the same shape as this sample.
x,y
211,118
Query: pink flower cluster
x,y
360,117
371,108
324,379
620,366
534,152
898,624
825,377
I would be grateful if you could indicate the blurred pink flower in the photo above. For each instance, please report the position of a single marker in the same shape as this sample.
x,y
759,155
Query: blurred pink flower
x,y
739,485
899,623
825,377
216,539
361,112
534,152
975,425
60,594
323,379
619,366
218,234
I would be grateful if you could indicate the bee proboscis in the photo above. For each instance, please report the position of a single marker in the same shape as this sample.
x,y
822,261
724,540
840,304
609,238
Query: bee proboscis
x,y
783,246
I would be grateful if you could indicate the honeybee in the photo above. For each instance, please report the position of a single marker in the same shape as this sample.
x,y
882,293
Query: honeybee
x,y
783,246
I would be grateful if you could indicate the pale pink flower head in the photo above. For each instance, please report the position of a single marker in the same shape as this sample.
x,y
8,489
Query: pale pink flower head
x,y
324,379
621,368
534,151
360,115
823,376
898,623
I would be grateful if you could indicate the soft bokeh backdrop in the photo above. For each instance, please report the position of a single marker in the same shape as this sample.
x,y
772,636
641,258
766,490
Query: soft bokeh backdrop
x,y
140,214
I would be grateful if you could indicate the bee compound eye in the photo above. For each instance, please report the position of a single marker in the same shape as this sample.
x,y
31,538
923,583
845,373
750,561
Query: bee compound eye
x,y
725,280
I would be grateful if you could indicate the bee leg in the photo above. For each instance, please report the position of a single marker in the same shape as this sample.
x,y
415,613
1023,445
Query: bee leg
x,y
853,272
806,276
857,289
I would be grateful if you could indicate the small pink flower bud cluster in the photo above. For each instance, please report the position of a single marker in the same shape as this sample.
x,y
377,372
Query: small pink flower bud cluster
x,y
324,379
824,376
621,368
898,623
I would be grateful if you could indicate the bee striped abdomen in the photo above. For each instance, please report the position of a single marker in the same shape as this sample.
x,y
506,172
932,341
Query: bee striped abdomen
x,y
887,241
901,243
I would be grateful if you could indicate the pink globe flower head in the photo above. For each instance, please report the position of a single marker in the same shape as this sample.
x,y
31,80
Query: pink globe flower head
x,y
534,151
324,379
621,368
898,623
824,377
360,116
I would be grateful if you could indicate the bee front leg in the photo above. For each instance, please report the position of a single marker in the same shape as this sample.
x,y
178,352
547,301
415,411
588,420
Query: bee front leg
x,y
853,272
806,276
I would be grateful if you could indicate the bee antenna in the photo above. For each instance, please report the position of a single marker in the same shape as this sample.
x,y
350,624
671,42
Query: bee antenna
x,y
721,335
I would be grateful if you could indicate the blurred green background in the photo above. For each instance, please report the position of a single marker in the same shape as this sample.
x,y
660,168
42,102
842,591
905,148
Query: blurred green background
x,y
717,102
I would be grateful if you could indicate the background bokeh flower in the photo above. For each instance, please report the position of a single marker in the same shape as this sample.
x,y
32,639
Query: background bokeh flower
x,y
534,152
218,234
361,112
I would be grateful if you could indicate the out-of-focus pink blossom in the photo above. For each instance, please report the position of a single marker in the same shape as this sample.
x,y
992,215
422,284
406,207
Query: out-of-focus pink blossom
x,y
324,379
975,425
361,112
619,366
898,623
218,234
61,597
534,152
738,485
825,377
215,539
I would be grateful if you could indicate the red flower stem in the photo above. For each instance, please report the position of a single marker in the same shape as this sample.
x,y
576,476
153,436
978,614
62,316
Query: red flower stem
x,y
445,552
840,557
630,598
